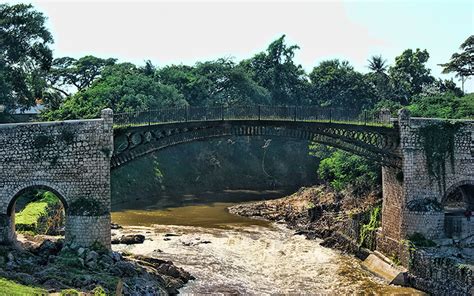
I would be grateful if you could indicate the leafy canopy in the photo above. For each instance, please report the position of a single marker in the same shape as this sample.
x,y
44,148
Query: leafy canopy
x,y
25,56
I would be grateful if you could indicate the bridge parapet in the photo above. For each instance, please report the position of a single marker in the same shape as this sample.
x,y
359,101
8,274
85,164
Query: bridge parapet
x,y
258,112
69,158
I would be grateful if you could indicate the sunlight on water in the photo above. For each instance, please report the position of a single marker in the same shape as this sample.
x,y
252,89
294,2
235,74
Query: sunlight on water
x,y
229,254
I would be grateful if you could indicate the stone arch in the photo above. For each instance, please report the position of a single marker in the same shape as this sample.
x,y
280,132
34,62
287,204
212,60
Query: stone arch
x,y
457,222
7,218
455,187
42,185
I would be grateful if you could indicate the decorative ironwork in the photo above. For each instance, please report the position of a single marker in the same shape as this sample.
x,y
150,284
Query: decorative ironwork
x,y
282,113
138,134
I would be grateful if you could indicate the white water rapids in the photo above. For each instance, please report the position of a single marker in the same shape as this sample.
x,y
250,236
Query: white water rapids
x,y
241,258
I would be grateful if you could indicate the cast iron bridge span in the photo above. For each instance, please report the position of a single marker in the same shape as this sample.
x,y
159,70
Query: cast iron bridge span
x,y
372,136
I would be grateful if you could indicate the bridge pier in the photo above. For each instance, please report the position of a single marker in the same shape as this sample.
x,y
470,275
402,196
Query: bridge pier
x,y
70,159
414,199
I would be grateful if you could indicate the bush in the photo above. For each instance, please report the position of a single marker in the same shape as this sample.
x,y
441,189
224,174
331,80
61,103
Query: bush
x,y
342,170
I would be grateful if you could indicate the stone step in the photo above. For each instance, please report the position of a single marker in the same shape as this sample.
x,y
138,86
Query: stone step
x,y
391,274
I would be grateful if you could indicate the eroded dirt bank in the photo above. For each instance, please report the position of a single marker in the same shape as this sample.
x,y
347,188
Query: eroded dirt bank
x,y
318,212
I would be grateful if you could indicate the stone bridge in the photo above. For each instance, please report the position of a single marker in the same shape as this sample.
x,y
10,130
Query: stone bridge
x,y
427,183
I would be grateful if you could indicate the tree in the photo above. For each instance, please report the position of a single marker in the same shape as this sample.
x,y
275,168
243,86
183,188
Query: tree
x,y
218,82
337,84
276,71
122,87
378,77
409,74
68,72
24,55
345,171
462,63
377,64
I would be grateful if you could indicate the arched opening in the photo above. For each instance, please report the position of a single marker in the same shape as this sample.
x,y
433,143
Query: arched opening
x,y
36,213
458,207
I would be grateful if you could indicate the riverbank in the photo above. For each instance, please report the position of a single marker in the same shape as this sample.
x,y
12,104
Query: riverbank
x,y
349,224
318,212
49,266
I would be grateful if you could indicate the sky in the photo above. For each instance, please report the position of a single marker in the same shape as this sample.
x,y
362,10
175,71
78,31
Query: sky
x,y
184,32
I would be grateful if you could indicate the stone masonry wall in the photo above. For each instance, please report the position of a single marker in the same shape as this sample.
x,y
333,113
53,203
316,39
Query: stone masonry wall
x,y
441,275
419,186
413,186
71,158
85,230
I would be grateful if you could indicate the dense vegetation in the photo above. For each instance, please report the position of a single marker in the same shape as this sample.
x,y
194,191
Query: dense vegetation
x,y
78,88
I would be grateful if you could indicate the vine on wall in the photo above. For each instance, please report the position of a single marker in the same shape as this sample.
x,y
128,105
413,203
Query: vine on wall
x,y
438,142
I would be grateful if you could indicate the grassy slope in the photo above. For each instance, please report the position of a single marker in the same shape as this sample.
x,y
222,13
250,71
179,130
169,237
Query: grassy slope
x,y
11,288
28,218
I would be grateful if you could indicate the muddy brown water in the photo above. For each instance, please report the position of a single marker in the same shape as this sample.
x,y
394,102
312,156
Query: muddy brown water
x,y
229,254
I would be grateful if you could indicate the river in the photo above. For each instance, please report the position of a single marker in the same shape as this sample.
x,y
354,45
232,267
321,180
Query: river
x,y
234,255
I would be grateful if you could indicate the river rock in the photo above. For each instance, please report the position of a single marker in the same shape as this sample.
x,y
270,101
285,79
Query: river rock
x,y
115,226
91,256
10,257
106,260
115,256
124,269
80,252
48,248
129,239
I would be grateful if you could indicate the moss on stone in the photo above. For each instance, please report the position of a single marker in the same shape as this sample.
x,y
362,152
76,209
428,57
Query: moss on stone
x,y
438,143
87,207
367,231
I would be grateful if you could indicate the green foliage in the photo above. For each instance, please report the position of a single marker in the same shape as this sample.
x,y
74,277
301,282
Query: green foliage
x,y
337,84
394,258
25,56
409,74
342,169
35,212
438,143
70,292
419,240
443,105
122,87
276,71
462,63
367,231
15,289
87,207
99,291
218,82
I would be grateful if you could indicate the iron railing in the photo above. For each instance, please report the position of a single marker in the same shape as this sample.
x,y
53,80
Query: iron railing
x,y
280,113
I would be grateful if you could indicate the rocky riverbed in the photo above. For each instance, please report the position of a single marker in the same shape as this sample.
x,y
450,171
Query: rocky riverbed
x,y
55,267
230,254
